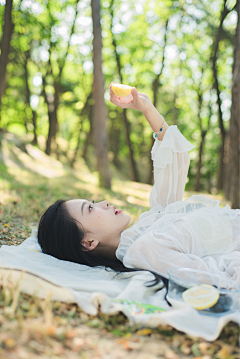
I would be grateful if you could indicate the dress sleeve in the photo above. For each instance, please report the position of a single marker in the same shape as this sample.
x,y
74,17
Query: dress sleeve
x,y
170,163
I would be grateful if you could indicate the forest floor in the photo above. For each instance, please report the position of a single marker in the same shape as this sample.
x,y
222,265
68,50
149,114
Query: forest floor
x,y
29,182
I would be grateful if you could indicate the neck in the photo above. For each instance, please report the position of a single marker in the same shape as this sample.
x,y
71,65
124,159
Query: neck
x,y
108,251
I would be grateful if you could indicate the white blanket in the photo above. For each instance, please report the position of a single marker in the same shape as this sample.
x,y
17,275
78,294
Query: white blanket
x,y
93,289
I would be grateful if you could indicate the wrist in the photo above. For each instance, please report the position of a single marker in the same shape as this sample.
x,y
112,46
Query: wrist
x,y
148,106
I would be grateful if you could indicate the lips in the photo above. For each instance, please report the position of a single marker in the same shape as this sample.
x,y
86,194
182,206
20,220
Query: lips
x,y
117,211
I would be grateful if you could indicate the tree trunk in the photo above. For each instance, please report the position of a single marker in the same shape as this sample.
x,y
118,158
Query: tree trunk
x,y
52,114
34,121
50,101
99,114
221,171
53,119
116,144
155,87
28,106
51,131
203,135
55,112
82,113
7,31
114,139
198,177
227,166
135,175
132,160
89,134
50,107
235,122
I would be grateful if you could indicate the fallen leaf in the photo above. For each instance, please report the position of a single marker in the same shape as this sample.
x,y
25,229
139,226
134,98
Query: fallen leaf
x,y
10,343
170,354
127,346
185,349
144,332
196,350
203,347
71,333
77,344
51,330
224,352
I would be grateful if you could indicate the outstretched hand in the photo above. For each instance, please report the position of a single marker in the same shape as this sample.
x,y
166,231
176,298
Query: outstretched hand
x,y
136,100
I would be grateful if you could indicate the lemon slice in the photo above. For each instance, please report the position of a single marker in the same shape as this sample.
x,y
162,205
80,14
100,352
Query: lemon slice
x,y
201,296
121,90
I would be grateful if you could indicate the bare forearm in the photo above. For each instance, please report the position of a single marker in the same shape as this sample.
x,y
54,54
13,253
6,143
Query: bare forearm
x,y
155,120
141,102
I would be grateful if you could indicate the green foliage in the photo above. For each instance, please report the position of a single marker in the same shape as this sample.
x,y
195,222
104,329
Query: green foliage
x,y
138,27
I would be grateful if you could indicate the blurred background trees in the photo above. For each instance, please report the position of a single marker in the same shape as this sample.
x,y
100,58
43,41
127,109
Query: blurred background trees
x,y
180,53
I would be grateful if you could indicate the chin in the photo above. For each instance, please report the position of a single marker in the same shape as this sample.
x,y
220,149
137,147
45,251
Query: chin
x,y
128,218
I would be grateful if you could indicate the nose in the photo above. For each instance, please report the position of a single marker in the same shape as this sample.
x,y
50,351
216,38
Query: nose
x,y
105,204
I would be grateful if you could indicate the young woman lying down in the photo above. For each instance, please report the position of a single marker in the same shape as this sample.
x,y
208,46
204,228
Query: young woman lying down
x,y
194,233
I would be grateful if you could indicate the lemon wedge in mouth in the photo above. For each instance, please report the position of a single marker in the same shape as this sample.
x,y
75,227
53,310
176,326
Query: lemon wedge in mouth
x,y
121,90
201,296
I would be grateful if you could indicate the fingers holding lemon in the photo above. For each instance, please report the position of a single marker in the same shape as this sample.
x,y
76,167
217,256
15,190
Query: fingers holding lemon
x,y
121,94
121,90
126,96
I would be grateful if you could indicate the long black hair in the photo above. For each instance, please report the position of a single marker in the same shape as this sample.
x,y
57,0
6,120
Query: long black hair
x,y
60,236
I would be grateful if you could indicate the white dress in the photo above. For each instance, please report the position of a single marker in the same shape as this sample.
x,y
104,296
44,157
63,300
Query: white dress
x,y
194,233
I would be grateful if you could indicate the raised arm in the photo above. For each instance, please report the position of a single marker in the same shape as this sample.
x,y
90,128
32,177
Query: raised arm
x,y
141,102
169,152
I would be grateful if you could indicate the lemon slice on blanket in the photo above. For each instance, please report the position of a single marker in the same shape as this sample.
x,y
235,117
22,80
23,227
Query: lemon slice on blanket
x,y
201,297
121,90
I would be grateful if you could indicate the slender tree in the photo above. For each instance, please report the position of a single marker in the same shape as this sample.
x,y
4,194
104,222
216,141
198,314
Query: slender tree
x,y
28,106
90,132
99,116
84,110
203,136
53,119
235,122
155,88
7,31
135,175
221,171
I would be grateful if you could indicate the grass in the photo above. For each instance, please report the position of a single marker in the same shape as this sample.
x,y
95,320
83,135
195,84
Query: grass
x,y
31,327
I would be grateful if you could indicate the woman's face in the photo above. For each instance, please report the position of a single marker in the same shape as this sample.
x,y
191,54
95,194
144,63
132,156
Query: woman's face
x,y
103,226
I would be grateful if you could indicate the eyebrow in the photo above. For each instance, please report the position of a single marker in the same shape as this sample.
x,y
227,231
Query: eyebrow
x,y
85,202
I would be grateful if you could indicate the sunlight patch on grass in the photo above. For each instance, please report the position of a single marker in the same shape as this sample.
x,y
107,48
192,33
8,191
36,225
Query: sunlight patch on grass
x,y
137,201
87,177
89,187
8,197
22,176
125,189
116,201
35,166
4,184
41,157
